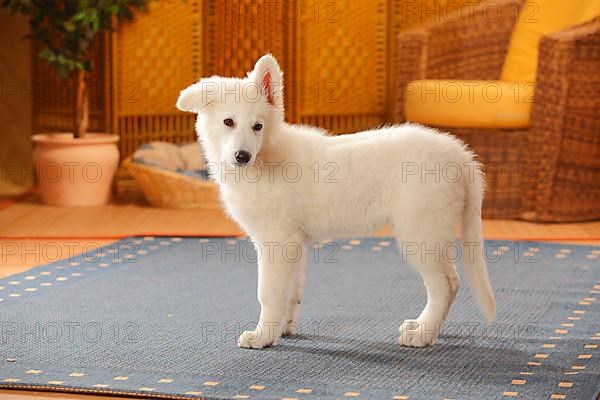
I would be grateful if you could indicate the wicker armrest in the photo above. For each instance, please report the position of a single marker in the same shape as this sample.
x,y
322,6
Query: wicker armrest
x,y
470,43
565,124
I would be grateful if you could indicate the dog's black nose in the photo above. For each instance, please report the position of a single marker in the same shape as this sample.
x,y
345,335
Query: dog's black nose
x,y
242,156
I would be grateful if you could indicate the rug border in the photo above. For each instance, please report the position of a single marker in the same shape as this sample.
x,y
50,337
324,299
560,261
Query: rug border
x,y
102,392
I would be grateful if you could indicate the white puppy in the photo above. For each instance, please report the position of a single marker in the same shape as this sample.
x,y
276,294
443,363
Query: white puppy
x,y
289,185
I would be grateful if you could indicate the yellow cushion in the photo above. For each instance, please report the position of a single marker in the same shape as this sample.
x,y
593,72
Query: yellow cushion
x,y
469,104
538,18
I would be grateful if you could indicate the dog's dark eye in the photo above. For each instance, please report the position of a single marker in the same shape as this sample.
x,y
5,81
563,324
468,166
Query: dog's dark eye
x,y
257,127
228,122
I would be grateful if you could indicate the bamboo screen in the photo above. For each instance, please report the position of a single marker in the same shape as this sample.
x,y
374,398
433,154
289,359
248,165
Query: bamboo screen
x,y
336,56
153,58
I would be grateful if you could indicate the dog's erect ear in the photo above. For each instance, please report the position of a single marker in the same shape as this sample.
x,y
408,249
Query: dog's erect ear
x,y
270,78
193,98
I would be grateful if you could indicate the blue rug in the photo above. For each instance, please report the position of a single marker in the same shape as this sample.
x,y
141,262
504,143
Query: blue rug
x,y
160,317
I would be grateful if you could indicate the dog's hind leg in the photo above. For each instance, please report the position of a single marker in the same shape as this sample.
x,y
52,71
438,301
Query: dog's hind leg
x,y
293,314
277,267
427,254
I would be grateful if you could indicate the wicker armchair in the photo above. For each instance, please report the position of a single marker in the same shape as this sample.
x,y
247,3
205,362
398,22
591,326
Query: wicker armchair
x,y
551,171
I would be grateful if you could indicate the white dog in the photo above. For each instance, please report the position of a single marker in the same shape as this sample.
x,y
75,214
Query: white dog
x,y
288,185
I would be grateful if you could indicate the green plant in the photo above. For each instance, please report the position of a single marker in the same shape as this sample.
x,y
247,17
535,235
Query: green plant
x,y
67,29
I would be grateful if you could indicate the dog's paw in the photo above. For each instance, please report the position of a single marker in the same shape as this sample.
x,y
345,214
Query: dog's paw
x,y
256,339
290,329
416,333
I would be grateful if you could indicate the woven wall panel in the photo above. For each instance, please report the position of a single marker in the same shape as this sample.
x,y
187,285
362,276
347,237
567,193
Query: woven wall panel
x,y
154,57
341,63
239,32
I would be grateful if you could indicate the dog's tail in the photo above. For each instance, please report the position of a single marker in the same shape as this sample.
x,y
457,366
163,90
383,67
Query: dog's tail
x,y
472,245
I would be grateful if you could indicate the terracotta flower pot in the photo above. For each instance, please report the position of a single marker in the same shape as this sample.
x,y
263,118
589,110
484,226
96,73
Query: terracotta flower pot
x,y
75,172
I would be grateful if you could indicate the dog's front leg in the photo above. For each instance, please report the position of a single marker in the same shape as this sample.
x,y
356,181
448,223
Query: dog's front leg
x,y
276,272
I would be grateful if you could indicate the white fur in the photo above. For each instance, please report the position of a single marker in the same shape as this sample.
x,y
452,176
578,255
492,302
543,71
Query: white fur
x,y
349,185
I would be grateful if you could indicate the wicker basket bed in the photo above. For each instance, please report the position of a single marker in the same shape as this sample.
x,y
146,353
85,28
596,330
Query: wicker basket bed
x,y
169,189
